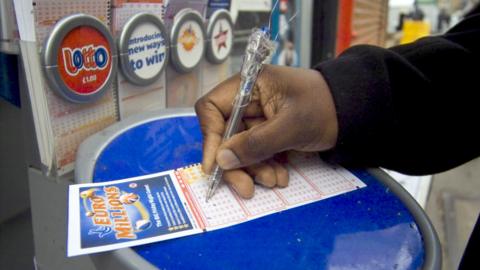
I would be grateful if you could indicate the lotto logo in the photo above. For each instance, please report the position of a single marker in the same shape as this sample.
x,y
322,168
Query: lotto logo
x,y
85,64
78,58
87,58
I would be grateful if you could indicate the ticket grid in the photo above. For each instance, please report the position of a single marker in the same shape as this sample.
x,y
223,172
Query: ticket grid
x,y
310,180
329,179
266,202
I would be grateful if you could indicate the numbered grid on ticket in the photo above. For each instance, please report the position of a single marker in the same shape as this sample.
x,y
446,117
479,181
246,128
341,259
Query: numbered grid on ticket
x,y
310,180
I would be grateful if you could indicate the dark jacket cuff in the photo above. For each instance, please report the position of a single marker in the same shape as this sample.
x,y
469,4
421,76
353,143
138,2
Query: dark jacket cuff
x,y
359,85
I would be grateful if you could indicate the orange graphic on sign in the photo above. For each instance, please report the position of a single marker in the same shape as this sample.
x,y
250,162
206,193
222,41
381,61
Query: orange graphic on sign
x,y
188,39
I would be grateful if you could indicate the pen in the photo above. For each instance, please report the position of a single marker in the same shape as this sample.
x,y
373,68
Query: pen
x,y
258,48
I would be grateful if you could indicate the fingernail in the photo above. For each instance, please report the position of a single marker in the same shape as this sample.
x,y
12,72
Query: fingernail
x,y
227,160
258,180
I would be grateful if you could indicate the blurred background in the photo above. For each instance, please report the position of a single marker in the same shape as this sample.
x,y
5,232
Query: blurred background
x,y
306,32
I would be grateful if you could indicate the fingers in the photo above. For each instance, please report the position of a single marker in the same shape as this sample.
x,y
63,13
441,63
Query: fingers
x,y
212,126
241,182
268,174
256,144
281,173
263,174
222,96
213,110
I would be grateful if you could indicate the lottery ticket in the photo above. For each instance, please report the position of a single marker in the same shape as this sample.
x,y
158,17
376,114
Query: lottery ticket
x,y
111,215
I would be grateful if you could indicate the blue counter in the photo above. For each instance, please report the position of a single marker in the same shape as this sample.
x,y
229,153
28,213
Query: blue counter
x,y
377,227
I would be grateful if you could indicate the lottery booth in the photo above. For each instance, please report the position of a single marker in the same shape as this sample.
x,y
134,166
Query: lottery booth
x,y
108,89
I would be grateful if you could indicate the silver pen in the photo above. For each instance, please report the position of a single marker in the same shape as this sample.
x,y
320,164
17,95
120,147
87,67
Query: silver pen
x,y
258,48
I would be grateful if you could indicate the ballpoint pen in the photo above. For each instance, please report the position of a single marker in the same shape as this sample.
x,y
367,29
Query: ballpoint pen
x,y
258,48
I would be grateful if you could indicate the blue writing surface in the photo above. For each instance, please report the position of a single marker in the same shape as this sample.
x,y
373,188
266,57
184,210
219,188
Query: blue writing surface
x,y
370,225
131,210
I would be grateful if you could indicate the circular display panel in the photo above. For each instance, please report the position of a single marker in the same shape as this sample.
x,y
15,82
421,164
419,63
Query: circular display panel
x,y
78,59
219,36
188,40
143,47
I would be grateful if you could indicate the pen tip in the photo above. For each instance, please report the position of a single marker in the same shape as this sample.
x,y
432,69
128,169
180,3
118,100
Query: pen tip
x,y
209,195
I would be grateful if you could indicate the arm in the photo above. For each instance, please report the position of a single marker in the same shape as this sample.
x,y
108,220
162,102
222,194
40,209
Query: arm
x,y
411,108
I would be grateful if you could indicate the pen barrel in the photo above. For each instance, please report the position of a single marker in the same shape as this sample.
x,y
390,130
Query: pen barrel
x,y
214,179
239,106
258,48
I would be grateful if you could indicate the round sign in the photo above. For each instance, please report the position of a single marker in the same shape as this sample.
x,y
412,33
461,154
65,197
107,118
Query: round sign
x,y
188,40
78,59
143,47
220,36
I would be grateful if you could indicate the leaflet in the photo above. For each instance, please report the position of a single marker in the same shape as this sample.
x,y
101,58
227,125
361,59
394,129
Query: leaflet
x,y
171,204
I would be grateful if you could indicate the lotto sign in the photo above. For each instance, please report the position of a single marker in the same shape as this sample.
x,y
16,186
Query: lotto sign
x,y
188,38
84,63
143,48
220,36
78,58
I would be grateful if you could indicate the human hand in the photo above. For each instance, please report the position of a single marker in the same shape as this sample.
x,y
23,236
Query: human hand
x,y
291,109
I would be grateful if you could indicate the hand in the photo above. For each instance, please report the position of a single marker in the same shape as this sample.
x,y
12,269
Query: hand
x,y
291,109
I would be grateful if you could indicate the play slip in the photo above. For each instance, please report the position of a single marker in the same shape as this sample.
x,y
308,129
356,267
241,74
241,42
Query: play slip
x,y
151,208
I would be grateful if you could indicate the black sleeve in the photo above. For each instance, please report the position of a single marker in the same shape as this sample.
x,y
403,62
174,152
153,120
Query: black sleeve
x,y
413,108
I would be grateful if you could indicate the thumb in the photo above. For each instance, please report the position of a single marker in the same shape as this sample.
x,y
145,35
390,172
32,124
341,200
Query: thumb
x,y
255,144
